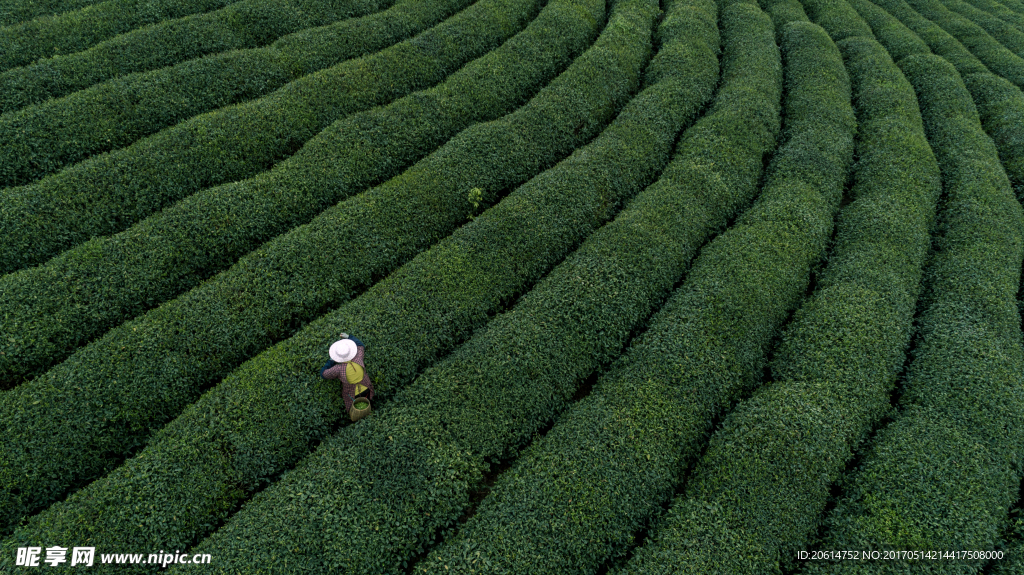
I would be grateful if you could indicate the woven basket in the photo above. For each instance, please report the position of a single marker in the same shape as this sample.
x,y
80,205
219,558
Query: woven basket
x,y
357,414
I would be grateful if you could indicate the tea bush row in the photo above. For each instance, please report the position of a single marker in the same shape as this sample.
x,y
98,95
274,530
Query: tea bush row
x,y
17,11
252,314
900,42
549,320
999,102
608,464
937,39
1015,5
26,42
767,473
838,18
1001,108
380,317
54,308
1012,546
1000,11
595,478
994,55
783,12
961,419
1003,32
534,226
203,335
480,403
109,192
245,24
57,133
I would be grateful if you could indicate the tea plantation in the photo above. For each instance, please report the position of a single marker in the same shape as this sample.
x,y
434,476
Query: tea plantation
x,y
646,288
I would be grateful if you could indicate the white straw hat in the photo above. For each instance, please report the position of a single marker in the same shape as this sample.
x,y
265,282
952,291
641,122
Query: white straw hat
x,y
343,350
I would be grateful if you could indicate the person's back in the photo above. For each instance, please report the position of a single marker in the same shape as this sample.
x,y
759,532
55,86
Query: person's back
x,y
347,365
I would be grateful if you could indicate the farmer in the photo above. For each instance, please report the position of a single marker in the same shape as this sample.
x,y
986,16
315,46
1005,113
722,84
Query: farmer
x,y
346,364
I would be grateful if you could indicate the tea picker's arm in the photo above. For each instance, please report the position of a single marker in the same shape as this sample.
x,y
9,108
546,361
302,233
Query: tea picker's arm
x,y
355,339
330,363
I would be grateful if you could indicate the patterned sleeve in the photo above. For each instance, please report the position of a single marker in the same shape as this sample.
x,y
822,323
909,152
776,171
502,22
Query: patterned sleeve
x,y
330,363
336,371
